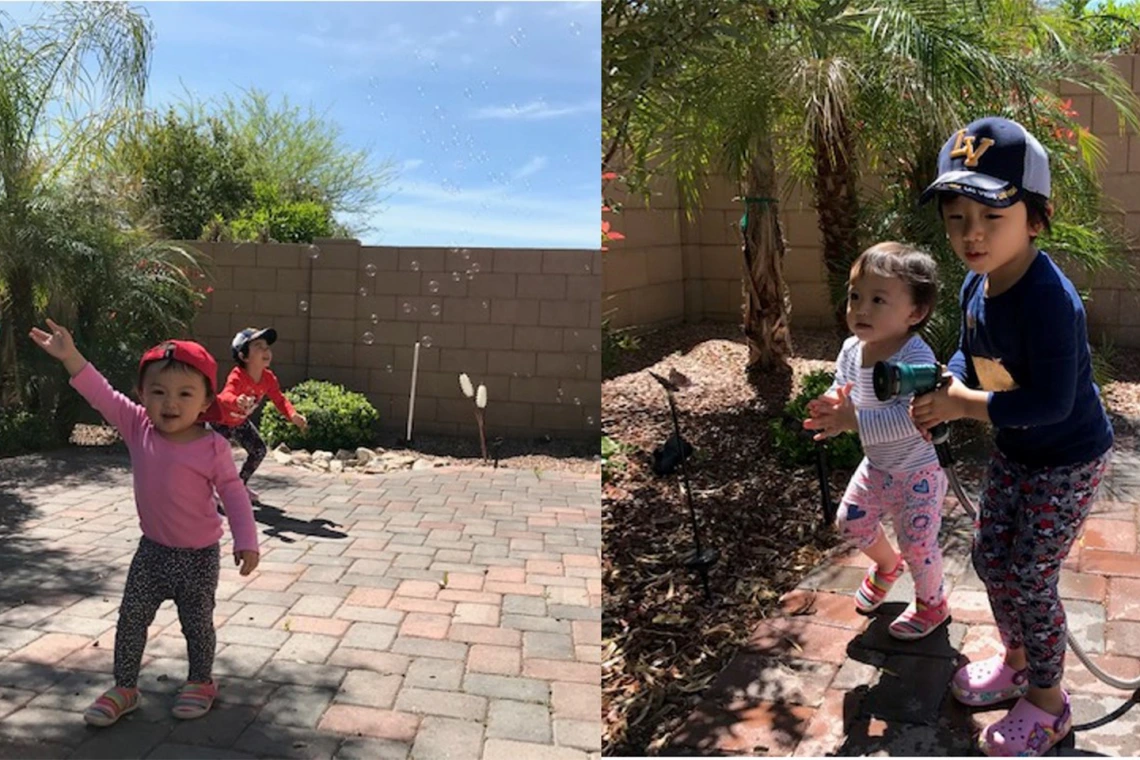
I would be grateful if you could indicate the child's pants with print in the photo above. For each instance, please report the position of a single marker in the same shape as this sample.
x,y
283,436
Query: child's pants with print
x,y
158,573
1027,522
245,434
913,500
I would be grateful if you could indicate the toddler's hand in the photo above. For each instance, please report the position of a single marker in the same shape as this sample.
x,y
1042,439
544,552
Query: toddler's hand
x,y
248,561
57,343
246,403
300,421
832,414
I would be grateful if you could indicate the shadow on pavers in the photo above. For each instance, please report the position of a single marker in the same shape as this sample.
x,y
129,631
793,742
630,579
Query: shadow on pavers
x,y
29,570
280,523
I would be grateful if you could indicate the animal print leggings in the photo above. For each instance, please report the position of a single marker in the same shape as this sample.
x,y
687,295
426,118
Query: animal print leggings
x,y
1027,522
914,502
158,573
245,434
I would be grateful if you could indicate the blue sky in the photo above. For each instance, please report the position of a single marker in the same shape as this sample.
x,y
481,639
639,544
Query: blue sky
x,y
489,112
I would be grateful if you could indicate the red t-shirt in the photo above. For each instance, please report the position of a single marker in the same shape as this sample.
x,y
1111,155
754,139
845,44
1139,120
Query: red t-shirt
x,y
239,383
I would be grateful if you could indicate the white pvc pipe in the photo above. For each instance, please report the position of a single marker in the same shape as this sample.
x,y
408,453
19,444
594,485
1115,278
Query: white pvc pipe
x,y
412,398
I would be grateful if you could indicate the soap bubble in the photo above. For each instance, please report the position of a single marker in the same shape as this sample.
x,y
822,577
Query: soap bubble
x,y
590,421
389,368
433,287
408,308
474,266
486,305
456,276
435,310
415,266
369,339
466,254
577,401
304,305
363,291
370,270
374,319
313,251
426,341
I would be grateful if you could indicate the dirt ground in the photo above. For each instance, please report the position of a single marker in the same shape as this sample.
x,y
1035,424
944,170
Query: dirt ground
x,y
662,641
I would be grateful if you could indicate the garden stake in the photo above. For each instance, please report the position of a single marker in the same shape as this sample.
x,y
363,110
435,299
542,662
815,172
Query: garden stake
x,y
412,397
700,560
829,507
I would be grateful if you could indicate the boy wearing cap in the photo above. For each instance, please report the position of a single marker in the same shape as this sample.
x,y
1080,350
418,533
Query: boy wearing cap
x,y
248,383
177,465
1023,365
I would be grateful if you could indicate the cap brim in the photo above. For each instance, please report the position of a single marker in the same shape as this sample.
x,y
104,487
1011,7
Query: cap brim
x,y
982,188
268,334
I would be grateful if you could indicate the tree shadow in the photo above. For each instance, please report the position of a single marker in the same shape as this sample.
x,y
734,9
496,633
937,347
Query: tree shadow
x,y
280,524
31,569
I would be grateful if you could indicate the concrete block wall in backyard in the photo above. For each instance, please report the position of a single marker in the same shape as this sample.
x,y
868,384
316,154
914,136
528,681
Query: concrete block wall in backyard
x,y
709,247
526,323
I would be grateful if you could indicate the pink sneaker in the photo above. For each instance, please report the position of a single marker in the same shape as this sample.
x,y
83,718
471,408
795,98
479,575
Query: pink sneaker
x,y
988,682
875,587
1026,731
919,620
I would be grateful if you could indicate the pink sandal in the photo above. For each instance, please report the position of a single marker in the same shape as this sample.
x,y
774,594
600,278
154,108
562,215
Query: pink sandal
x,y
111,705
1026,731
875,587
918,620
988,682
194,700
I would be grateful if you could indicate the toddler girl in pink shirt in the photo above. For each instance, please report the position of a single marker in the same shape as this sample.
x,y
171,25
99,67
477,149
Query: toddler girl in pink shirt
x,y
176,464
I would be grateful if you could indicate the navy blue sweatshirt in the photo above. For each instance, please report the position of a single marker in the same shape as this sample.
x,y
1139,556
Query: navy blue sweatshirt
x,y
1029,347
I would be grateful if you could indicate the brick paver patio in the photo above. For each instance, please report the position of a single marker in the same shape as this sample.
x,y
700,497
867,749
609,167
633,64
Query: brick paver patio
x,y
427,614
823,680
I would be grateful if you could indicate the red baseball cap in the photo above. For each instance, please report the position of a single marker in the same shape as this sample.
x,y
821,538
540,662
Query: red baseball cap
x,y
195,355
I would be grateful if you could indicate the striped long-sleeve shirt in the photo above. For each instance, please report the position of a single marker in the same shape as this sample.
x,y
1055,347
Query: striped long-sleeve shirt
x,y
890,439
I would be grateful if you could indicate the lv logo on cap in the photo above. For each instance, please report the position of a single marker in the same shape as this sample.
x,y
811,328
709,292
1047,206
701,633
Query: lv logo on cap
x,y
964,146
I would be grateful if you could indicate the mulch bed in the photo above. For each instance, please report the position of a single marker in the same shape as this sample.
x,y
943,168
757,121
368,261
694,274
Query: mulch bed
x,y
663,642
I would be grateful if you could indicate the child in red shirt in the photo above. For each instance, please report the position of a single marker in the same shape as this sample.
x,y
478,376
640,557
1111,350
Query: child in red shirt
x,y
248,383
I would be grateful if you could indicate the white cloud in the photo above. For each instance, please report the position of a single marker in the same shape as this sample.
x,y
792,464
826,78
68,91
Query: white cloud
x,y
428,214
502,13
532,166
534,110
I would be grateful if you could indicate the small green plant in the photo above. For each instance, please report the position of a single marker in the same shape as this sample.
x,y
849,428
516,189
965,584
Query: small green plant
x,y
795,446
613,458
613,343
338,418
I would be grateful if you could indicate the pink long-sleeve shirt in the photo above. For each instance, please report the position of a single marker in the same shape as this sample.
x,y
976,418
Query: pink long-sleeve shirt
x,y
174,482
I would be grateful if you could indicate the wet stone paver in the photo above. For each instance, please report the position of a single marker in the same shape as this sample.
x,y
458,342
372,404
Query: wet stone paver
x,y
823,680
447,613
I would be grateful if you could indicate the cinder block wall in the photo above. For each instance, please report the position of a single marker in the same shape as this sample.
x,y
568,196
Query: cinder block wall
x,y
643,285
526,323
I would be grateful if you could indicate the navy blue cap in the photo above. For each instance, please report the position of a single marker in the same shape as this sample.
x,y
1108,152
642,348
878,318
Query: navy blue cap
x,y
992,161
249,335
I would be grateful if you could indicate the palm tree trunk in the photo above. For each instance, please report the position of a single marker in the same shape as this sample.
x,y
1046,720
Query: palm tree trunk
x,y
837,205
767,304
20,313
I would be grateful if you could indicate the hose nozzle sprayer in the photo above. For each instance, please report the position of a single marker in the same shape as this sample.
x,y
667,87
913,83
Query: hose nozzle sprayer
x,y
893,380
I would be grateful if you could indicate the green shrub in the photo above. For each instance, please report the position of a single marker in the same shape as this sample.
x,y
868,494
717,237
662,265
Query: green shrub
x,y
338,419
795,446
614,342
22,432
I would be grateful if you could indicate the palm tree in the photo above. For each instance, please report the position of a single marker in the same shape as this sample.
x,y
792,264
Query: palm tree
x,y
878,81
681,96
53,109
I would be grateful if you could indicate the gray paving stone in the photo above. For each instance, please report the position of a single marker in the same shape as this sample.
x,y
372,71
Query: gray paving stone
x,y
278,741
169,751
507,687
300,706
447,704
523,721
370,636
583,734
219,728
434,673
370,689
448,739
537,624
359,748
307,647
241,660
302,674
417,647
547,646
73,692
520,604
131,738
250,636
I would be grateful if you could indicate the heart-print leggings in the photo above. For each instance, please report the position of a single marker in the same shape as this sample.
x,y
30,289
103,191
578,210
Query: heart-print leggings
x,y
1027,522
913,500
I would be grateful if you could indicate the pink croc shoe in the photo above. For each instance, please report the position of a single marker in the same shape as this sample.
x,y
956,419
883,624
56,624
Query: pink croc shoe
x,y
1026,731
988,682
